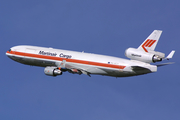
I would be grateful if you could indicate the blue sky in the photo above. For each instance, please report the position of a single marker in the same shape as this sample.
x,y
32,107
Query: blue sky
x,y
95,26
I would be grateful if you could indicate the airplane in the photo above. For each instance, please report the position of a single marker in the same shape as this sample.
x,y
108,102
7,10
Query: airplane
x,y
57,61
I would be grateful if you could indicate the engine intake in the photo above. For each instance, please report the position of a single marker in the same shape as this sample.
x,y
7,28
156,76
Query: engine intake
x,y
148,57
52,71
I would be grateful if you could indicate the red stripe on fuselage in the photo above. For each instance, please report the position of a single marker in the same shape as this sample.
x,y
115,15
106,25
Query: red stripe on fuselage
x,y
67,60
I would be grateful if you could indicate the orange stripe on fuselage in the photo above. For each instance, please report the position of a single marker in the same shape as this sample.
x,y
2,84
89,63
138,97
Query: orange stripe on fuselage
x,y
67,60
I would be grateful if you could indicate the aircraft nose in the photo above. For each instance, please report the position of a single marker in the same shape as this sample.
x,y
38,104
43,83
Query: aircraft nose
x,y
8,52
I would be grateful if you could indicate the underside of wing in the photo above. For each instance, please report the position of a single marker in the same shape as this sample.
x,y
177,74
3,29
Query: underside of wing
x,y
77,70
140,70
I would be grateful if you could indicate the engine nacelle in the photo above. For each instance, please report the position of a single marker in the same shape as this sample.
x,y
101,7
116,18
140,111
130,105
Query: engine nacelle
x,y
148,57
52,71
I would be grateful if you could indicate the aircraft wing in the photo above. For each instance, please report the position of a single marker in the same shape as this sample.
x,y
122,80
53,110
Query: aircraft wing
x,y
72,69
139,69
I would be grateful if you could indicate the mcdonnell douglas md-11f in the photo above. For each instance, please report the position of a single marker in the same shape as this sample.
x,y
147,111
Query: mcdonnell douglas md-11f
x,y
57,61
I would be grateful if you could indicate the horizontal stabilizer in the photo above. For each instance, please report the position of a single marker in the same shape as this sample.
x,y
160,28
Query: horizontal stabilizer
x,y
163,64
170,55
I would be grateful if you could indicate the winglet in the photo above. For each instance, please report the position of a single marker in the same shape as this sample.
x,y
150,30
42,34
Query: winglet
x,y
170,54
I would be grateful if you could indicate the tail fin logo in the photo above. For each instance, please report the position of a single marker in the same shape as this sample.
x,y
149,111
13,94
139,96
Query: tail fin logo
x,y
148,43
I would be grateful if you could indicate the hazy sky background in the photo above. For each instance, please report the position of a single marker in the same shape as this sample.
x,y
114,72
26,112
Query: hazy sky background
x,y
106,27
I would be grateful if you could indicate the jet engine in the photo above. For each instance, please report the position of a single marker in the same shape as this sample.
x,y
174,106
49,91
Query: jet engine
x,y
52,71
148,57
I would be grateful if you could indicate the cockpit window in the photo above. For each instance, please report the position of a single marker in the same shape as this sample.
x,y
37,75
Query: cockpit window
x,y
9,50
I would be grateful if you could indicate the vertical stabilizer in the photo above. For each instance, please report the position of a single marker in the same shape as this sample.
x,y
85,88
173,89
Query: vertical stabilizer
x,y
150,43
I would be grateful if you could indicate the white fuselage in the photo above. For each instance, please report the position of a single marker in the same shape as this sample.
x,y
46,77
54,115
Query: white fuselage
x,y
91,63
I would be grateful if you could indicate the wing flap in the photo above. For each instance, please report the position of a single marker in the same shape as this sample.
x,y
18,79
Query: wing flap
x,y
72,69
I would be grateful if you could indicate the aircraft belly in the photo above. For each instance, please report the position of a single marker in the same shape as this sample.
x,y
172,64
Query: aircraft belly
x,y
17,58
32,61
43,63
98,70
89,68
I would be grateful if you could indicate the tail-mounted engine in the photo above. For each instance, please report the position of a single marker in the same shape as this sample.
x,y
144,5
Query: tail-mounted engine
x,y
148,57
52,71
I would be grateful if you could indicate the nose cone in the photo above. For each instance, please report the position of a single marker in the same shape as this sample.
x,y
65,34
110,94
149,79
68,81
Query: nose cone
x,y
9,54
